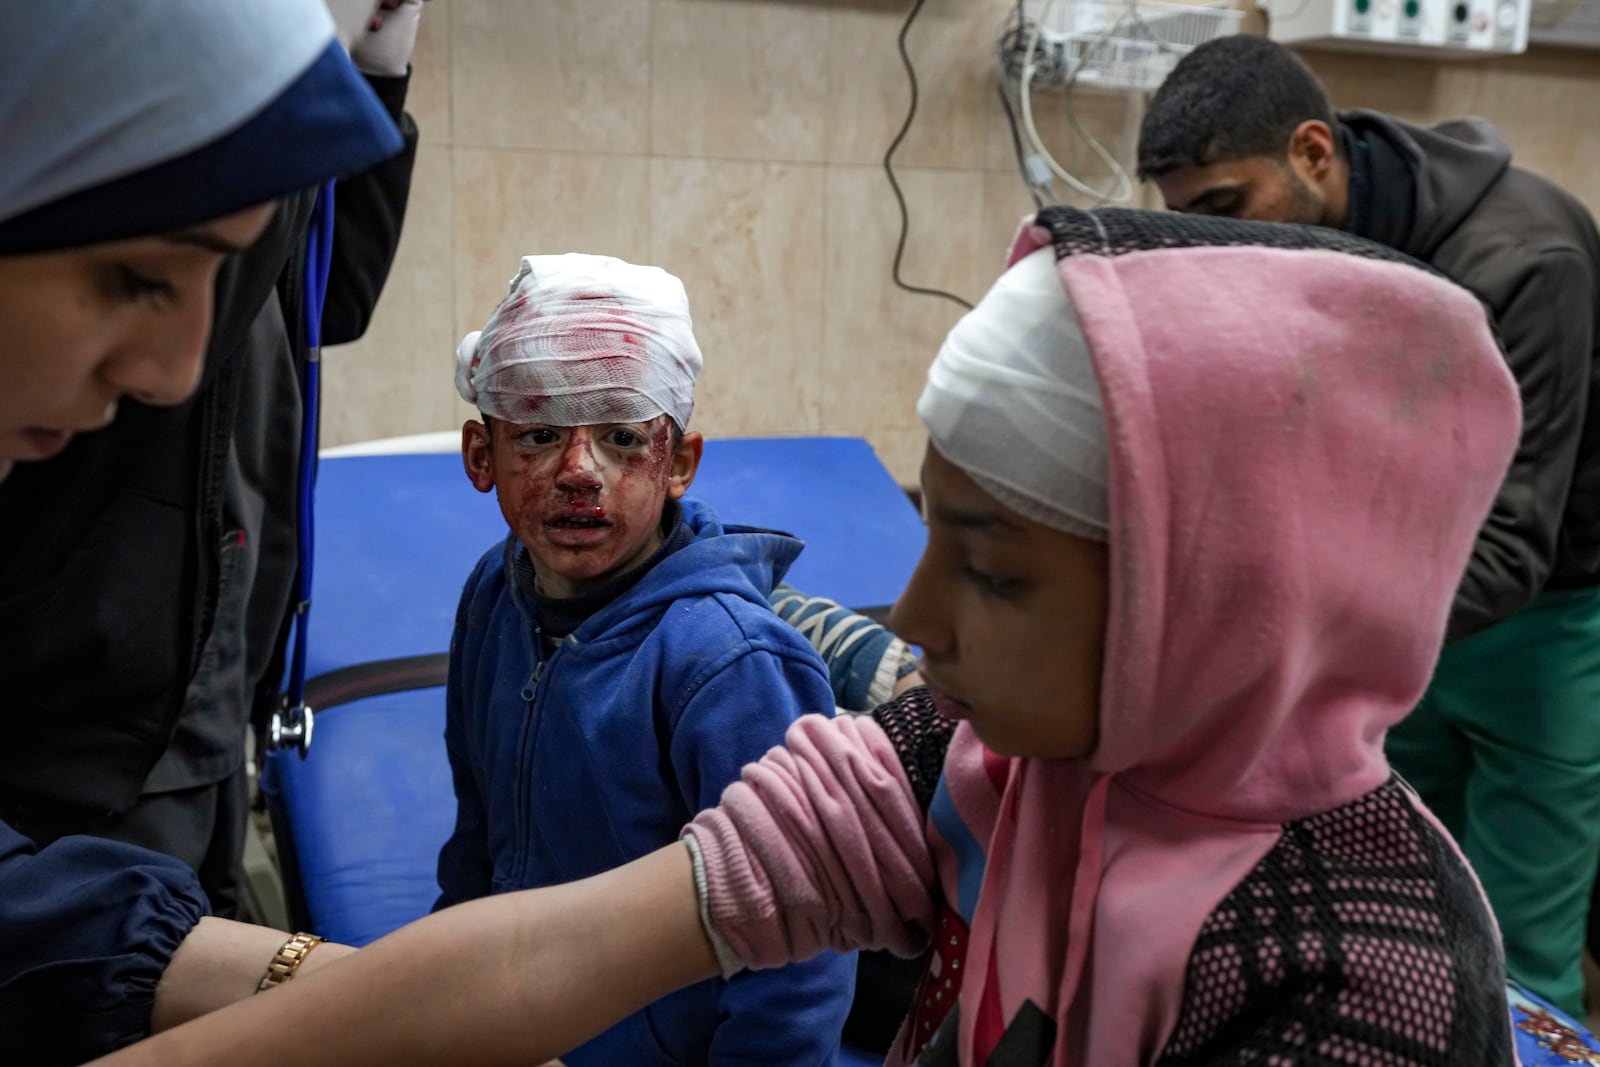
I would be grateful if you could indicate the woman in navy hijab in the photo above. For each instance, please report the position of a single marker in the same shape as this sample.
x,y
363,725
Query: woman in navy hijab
x,y
140,144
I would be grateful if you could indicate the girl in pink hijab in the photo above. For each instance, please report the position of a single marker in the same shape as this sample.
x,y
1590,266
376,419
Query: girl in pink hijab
x,y
1196,510
1198,495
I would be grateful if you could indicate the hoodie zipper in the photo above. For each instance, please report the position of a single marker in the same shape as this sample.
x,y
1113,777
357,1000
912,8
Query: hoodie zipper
x,y
531,693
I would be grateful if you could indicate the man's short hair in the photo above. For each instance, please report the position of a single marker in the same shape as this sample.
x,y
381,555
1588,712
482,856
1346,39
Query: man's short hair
x,y
1233,98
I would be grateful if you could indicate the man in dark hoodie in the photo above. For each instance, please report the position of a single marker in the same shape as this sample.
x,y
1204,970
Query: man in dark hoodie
x,y
1505,746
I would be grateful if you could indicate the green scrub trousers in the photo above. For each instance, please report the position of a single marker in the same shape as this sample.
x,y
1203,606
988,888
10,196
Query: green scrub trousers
x,y
1505,748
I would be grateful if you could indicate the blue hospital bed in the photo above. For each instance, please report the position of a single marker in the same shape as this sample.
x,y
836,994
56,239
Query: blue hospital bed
x,y
360,819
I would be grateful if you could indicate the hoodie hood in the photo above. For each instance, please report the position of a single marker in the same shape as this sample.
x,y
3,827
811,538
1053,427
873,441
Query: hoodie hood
x,y
1296,477
1296,484
1455,163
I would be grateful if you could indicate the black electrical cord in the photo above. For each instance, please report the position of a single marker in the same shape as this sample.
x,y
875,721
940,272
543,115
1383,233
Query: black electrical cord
x,y
888,168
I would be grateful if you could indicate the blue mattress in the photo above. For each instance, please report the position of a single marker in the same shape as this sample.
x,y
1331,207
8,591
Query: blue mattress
x,y
397,535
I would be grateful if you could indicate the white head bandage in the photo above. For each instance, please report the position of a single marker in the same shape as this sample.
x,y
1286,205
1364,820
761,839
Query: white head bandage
x,y
1012,400
583,340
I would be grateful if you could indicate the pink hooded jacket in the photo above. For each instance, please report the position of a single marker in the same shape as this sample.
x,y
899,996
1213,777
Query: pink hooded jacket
x,y
1305,435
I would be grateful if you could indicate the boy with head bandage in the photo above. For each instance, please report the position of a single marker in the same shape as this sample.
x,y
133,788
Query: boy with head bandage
x,y
614,661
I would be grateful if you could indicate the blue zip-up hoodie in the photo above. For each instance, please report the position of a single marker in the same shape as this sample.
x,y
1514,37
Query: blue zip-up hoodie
x,y
570,764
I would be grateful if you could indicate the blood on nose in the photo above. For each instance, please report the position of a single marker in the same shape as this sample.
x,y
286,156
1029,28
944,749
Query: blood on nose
x,y
578,468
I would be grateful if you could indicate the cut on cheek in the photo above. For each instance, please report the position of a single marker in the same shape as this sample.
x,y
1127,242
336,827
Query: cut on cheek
x,y
636,487
660,458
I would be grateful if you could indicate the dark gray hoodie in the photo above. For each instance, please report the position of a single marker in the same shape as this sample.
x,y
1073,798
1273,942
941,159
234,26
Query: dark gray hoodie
x,y
1531,252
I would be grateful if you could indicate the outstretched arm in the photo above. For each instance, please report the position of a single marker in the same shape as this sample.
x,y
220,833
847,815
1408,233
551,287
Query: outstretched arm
x,y
512,979
819,845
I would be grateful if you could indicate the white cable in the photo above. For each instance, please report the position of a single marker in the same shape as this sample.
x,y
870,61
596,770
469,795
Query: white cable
x,y
1123,187
1122,192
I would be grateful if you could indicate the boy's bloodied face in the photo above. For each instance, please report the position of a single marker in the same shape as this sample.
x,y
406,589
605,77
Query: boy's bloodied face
x,y
1011,618
585,501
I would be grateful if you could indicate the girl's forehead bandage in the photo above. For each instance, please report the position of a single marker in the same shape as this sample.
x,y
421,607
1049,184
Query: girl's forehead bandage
x,y
582,340
1012,400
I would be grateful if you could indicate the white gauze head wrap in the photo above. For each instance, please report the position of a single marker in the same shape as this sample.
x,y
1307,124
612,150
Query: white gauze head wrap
x,y
1013,401
582,340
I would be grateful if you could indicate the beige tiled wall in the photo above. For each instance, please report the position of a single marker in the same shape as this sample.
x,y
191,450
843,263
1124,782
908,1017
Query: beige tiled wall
x,y
738,143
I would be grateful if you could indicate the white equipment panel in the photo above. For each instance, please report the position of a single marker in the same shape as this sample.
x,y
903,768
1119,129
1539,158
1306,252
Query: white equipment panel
x,y
1435,28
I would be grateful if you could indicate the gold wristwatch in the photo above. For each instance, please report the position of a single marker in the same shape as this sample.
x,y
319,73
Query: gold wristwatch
x,y
288,960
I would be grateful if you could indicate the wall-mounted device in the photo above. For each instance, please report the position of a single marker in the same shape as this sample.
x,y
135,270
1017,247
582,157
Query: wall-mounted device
x,y
1439,29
